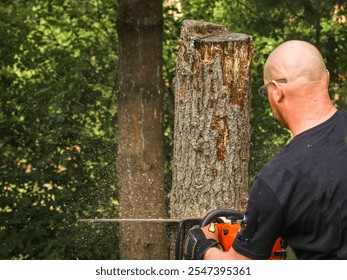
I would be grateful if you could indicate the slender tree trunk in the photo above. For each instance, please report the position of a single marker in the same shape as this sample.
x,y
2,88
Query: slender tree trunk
x,y
212,120
140,159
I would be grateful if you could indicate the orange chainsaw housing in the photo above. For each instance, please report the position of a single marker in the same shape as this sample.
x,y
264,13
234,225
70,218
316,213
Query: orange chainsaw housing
x,y
227,233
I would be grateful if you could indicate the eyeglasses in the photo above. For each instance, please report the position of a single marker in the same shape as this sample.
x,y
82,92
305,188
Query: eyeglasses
x,y
263,89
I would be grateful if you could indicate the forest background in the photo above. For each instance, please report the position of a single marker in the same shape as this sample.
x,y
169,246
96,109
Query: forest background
x,y
58,118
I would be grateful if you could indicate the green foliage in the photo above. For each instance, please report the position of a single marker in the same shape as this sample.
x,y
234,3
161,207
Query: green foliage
x,y
58,128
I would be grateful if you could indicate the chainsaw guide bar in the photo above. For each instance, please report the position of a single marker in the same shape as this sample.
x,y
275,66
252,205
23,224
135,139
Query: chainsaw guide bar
x,y
129,220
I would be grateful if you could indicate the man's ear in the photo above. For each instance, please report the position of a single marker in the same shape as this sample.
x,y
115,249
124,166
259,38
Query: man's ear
x,y
328,73
278,92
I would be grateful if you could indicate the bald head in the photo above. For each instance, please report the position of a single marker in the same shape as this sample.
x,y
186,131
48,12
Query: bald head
x,y
294,60
303,102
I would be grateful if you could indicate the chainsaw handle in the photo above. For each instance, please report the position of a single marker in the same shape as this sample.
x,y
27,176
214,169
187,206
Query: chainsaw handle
x,y
215,214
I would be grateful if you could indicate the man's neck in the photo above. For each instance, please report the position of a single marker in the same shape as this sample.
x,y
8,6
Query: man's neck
x,y
309,120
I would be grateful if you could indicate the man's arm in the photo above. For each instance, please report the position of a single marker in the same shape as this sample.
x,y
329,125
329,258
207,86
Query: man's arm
x,y
217,254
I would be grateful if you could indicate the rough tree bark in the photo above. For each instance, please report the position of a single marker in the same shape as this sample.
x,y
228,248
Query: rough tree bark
x,y
140,156
212,128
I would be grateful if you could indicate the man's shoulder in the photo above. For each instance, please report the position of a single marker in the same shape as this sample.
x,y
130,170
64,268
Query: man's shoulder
x,y
288,157
283,167
343,114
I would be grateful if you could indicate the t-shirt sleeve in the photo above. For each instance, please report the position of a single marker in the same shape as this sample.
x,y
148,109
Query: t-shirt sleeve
x,y
261,225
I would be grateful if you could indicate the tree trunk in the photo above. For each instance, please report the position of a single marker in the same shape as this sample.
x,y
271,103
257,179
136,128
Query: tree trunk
x,y
212,120
140,158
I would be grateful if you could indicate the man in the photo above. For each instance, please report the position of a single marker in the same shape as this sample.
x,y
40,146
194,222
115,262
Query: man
x,y
301,194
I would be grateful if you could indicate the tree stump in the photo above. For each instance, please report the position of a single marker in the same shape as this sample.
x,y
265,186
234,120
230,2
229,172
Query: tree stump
x,y
212,120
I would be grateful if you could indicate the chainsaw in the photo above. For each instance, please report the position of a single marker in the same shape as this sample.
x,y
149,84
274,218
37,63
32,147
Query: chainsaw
x,y
226,221
228,224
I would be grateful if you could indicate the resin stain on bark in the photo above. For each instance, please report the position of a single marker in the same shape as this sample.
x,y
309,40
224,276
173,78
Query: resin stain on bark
x,y
220,124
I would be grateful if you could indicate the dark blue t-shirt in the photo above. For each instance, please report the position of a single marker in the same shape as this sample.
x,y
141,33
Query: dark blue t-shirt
x,y
301,196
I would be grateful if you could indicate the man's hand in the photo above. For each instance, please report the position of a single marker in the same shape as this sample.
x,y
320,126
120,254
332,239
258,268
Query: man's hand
x,y
210,231
199,240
